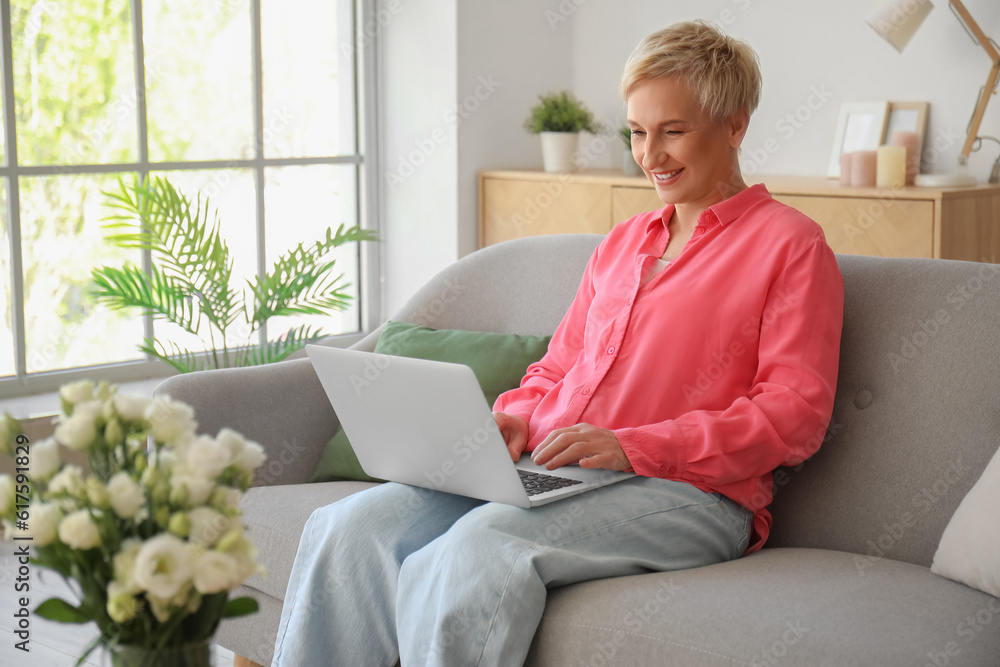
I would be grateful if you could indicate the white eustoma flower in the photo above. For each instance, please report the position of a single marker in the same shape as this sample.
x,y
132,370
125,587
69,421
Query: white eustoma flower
x,y
251,458
77,392
122,605
227,500
6,495
235,544
207,526
163,567
215,572
124,565
77,432
44,460
79,531
43,523
69,480
130,407
170,420
232,441
127,497
206,457
199,489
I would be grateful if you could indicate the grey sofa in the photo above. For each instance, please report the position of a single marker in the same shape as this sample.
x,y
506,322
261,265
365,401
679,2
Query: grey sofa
x,y
844,578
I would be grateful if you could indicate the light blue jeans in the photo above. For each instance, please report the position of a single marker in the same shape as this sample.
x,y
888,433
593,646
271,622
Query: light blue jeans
x,y
430,578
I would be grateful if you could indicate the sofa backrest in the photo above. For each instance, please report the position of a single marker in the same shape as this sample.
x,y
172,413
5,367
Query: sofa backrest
x,y
917,411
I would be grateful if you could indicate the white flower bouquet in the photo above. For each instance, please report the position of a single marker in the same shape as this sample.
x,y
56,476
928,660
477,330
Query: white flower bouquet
x,y
152,538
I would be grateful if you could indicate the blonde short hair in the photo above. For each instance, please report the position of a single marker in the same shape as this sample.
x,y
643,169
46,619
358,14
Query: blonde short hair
x,y
722,72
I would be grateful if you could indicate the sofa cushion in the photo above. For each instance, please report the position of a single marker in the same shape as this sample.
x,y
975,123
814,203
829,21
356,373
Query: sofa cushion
x,y
778,606
970,547
275,517
498,360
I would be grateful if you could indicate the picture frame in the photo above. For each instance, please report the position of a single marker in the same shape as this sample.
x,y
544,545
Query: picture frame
x,y
907,117
860,127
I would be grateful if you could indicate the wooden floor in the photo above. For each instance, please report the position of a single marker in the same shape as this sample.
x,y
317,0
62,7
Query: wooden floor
x,y
51,644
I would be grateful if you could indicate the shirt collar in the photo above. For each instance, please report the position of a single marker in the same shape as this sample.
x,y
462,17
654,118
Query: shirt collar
x,y
724,212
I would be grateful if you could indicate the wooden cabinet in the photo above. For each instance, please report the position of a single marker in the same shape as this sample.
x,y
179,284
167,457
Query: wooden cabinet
x,y
954,223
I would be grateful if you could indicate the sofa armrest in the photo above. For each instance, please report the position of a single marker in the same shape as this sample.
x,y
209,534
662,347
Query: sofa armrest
x,y
282,406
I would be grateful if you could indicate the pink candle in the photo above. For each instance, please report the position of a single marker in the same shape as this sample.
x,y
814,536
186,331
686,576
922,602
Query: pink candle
x,y
863,169
910,141
845,168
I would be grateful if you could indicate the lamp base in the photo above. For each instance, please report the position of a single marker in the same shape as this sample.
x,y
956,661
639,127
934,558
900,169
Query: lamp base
x,y
945,181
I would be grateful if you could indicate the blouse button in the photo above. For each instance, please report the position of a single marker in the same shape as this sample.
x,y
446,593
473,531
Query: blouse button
x,y
672,470
611,350
586,391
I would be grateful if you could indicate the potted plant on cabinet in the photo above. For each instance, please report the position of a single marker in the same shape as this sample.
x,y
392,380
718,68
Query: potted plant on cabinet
x,y
559,118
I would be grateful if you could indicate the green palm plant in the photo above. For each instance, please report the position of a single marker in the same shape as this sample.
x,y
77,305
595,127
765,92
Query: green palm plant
x,y
189,281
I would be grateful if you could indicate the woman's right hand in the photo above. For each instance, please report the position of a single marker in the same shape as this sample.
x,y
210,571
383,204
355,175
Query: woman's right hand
x,y
514,431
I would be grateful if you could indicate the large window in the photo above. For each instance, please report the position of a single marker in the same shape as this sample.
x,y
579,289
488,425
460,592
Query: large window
x,y
257,104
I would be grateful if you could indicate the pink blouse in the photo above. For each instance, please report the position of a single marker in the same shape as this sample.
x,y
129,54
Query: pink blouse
x,y
716,371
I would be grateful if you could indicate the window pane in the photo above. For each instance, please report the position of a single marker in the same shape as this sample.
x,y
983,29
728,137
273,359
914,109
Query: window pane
x,y
63,239
231,194
198,79
308,81
300,204
74,81
6,298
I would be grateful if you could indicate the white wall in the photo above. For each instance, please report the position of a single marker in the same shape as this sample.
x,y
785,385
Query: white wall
x,y
458,78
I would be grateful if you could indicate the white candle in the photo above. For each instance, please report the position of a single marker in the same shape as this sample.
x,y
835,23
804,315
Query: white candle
x,y
911,141
890,169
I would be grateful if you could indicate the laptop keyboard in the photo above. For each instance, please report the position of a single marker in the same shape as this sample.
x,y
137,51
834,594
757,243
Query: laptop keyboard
x,y
535,483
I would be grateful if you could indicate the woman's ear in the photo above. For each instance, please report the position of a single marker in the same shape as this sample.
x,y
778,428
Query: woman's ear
x,y
736,127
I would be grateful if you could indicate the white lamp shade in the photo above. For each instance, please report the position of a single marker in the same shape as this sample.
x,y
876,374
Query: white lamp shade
x,y
896,21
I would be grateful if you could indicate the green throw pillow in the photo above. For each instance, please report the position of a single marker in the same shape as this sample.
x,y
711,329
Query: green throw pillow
x,y
498,360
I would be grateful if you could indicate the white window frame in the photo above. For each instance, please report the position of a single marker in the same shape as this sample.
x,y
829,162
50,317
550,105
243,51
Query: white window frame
x,y
357,14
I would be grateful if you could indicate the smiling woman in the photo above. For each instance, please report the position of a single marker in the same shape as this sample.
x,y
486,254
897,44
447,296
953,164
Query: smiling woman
x,y
702,403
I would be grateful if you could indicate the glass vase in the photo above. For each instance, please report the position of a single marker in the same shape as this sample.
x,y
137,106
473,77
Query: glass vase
x,y
189,655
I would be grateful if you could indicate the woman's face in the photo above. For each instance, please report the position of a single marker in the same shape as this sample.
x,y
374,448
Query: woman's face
x,y
689,158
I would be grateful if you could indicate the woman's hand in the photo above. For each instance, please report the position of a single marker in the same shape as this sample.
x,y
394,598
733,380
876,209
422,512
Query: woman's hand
x,y
590,446
514,431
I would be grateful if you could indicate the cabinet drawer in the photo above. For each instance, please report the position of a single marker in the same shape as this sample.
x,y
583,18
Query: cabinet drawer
x,y
863,226
512,209
629,202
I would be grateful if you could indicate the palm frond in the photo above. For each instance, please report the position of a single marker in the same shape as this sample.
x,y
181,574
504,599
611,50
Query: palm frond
x,y
270,351
156,293
184,237
181,359
299,282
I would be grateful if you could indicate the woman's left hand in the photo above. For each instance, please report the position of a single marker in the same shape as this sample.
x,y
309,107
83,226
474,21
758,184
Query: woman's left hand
x,y
590,446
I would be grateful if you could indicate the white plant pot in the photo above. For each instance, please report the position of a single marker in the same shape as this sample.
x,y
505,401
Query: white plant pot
x,y
559,150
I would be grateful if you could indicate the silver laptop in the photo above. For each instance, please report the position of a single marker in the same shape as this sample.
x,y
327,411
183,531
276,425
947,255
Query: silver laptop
x,y
427,423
